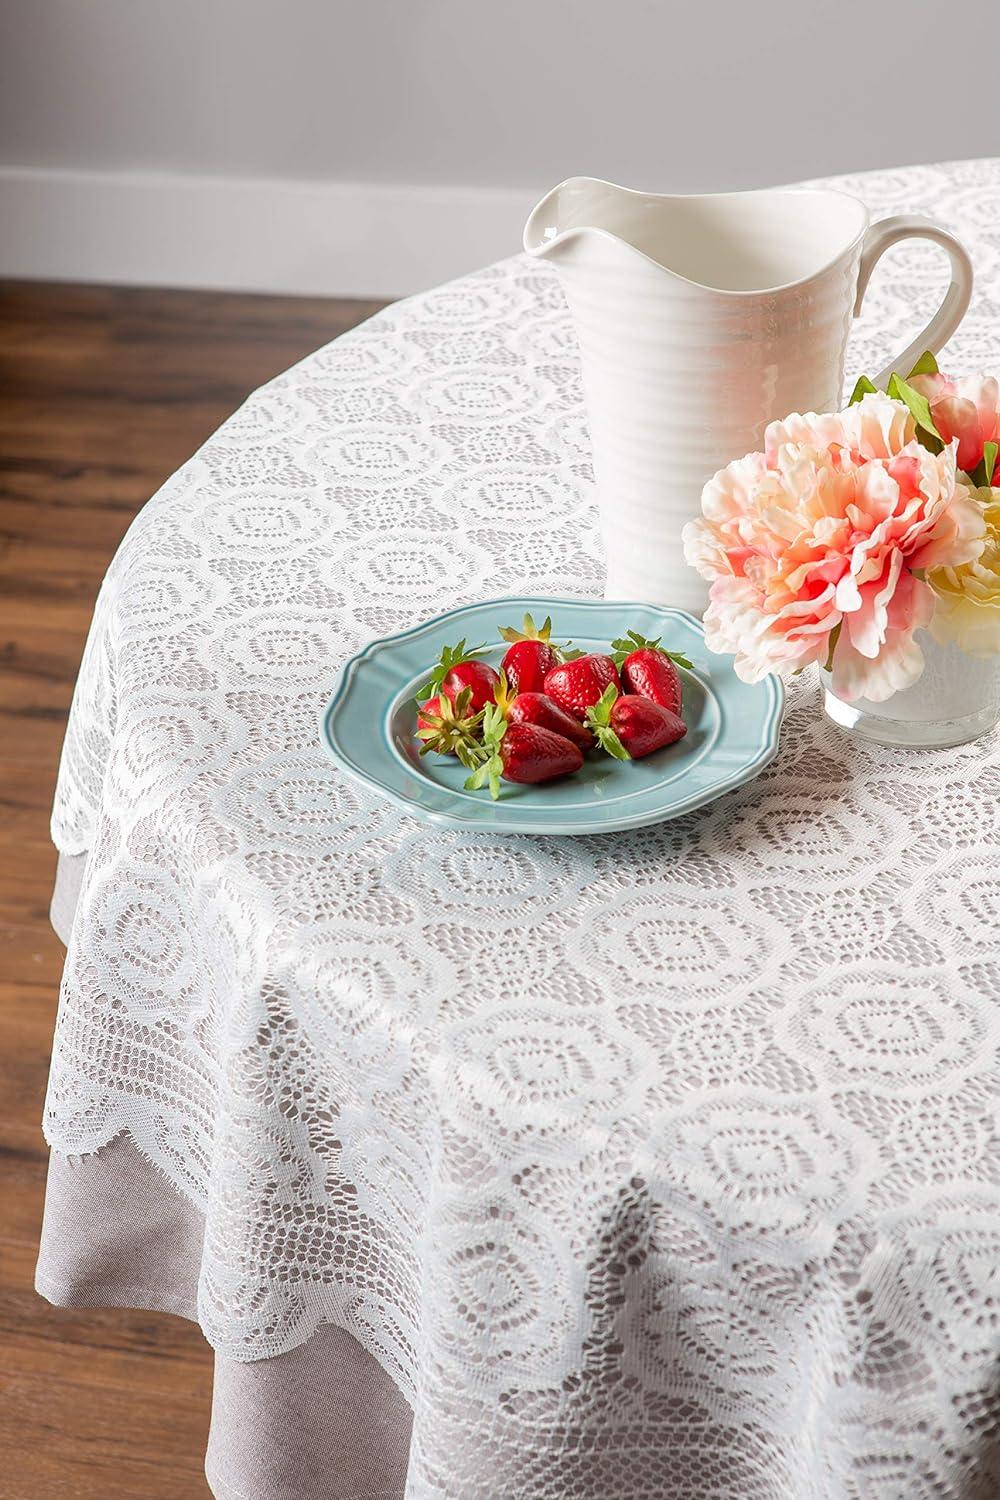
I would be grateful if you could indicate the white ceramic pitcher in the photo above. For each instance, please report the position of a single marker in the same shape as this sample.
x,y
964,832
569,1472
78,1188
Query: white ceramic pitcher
x,y
700,319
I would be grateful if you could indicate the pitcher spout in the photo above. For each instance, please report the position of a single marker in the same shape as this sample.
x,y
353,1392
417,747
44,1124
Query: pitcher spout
x,y
578,207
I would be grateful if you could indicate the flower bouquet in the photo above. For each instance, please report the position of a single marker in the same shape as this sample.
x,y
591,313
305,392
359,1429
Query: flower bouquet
x,y
868,541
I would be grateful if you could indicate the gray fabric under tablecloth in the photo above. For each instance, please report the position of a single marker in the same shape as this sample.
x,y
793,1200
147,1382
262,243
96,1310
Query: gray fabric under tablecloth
x,y
322,1422
69,877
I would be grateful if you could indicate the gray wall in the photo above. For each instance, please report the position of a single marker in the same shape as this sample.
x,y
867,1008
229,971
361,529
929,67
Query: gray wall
x,y
513,93
378,146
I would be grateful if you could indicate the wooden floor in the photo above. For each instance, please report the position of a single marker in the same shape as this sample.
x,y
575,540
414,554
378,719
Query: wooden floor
x,y
103,393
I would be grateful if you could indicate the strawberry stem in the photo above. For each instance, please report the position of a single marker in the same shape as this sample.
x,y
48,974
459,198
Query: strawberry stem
x,y
531,632
599,723
504,694
491,768
451,656
633,641
452,730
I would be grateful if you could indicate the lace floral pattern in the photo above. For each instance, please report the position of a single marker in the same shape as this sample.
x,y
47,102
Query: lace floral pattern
x,y
656,1163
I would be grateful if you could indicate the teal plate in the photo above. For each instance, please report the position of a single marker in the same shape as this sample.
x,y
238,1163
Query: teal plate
x,y
368,725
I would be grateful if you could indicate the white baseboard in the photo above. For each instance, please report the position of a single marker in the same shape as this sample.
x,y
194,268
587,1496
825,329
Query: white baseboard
x,y
250,234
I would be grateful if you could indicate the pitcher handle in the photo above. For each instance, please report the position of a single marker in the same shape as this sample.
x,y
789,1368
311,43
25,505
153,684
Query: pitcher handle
x,y
956,299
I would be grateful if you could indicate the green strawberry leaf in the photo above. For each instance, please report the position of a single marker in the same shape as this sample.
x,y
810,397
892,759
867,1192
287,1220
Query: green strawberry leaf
x,y
982,474
864,387
490,770
925,365
599,723
609,742
471,756
452,729
451,656
529,630
919,406
494,727
636,642
633,641
599,713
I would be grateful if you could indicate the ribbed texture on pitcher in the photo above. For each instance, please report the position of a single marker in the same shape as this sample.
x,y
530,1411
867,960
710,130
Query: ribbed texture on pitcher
x,y
679,380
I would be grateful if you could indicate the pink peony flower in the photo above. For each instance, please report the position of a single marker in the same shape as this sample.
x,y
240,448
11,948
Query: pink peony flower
x,y
828,528
966,409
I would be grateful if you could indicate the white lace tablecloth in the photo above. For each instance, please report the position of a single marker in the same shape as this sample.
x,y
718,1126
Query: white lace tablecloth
x,y
653,1164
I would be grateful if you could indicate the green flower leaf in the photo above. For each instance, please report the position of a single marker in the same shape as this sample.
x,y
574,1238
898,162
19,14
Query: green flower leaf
x,y
864,387
920,410
925,365
982,474
834,638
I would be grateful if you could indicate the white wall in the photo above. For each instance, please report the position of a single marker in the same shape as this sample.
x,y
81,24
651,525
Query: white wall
x,y
264,142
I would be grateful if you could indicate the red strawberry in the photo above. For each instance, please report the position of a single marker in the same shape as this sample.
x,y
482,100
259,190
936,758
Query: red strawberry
x,y
524,753
630,727
458,668
531,654
577,685
430,712
480,678
539,708
530,753
526,663
649,671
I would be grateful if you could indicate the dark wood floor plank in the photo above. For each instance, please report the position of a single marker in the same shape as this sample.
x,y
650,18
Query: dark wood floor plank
x,y
99,1440
104,392
32,736
115,1348
29,1011
25,801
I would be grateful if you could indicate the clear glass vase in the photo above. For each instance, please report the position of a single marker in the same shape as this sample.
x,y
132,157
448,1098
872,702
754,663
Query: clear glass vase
x,y
956,699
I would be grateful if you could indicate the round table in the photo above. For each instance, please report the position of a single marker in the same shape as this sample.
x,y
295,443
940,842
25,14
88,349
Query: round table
x,y
650,1165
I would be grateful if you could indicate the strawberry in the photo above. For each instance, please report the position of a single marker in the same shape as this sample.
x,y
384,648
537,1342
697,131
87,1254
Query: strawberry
x,y
531,654
540,709
526,663
430,712
650,671
577,685
451,728
451,657
477,677
524,753
629,727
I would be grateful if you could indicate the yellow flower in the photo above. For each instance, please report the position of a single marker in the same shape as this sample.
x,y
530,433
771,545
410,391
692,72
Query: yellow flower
x,y
968,597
